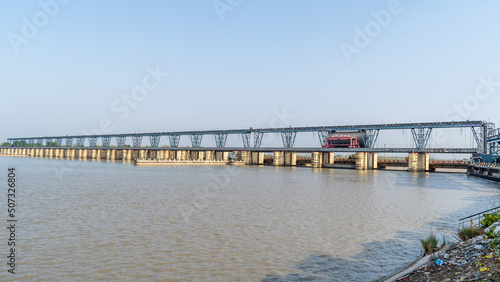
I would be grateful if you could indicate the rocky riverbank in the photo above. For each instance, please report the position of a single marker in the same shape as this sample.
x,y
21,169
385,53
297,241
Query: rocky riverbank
x,y
476,259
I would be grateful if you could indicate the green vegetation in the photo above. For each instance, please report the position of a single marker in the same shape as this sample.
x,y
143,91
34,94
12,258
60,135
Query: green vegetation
x,y
489,219
444,242
15,144
490,233
469,232
430,244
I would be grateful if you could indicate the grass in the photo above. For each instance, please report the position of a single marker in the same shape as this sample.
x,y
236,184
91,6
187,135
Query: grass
x,y
469,232
444,242
430,244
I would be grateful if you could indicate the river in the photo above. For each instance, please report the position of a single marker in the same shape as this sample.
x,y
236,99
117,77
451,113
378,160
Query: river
x,y
93,220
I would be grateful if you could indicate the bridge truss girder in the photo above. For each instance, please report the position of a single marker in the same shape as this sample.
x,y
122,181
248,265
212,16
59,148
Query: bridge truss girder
x,y
31,142
421,136
196,140
69,141
257,139
174,140
39,142
288,138
154,140
322,134
494,148
48,142
93,141
370,137
58,142
136,140
480,137
246,139
80,141
220,139
18,143
106,141
120,141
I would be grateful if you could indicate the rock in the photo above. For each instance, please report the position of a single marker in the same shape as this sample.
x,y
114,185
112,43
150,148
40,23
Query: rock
x,y
497,230
494,225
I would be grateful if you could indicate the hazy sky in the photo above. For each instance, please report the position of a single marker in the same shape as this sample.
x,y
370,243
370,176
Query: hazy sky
x,y
73,67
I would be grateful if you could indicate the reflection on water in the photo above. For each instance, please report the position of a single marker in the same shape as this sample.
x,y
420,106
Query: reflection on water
x,y
104,220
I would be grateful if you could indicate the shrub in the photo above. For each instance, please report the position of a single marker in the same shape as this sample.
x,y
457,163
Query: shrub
x,y
489,219
430,244
494,244
469,232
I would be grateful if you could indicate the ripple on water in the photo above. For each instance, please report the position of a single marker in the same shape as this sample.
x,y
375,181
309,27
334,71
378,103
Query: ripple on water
x,y
113,221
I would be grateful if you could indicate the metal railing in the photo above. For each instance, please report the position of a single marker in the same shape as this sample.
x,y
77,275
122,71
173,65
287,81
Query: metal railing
x,y
475,219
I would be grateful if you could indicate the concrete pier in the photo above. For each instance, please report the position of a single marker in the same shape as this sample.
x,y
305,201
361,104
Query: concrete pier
x,y
93,154
366,160
316,160
328,158
361,160
418,162
278,158
257,158
142,154
290,159
372,160
127,155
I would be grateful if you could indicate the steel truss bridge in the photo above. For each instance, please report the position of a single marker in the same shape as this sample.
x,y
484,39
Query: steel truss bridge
x,y
493,141
484,133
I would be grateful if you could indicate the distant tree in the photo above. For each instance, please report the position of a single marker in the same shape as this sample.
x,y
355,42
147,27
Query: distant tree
x,y
5,144
20,144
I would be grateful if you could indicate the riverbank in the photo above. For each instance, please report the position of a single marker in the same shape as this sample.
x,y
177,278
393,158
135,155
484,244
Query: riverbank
x,y
473,260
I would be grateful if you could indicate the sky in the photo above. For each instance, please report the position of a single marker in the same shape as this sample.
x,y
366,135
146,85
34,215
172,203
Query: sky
x,y
80,67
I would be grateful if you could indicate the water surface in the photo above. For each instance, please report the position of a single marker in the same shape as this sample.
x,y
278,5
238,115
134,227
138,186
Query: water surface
x,y
89,220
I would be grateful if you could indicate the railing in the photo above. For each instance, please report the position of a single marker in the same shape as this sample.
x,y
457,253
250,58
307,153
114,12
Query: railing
x,y
486,165
475,219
